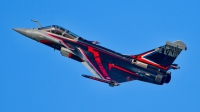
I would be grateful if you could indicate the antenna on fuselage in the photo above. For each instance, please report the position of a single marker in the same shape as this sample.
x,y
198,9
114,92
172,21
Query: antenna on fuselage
x,y
37,23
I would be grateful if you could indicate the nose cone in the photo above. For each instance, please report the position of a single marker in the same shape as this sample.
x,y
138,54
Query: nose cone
x,y
24,31
20,30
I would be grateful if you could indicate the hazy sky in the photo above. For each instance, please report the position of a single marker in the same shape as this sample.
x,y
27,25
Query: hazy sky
x,y
35,78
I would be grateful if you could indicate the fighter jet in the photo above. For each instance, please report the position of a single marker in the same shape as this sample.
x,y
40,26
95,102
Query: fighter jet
x,y
107,65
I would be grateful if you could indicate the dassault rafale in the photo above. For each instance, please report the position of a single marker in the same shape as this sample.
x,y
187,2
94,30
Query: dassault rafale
x,y
109,66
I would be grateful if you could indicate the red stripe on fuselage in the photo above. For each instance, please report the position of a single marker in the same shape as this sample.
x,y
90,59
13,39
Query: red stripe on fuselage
x,y
45,41
98,61
110,66
60,39
82,52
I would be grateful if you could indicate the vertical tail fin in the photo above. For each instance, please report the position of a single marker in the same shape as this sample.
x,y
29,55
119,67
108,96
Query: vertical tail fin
x,y
164,56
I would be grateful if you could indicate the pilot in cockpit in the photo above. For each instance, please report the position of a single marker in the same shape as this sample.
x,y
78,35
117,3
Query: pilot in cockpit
x,y
53,29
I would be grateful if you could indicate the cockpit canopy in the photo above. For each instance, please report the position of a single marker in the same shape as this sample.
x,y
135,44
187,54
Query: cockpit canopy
x,y
59,31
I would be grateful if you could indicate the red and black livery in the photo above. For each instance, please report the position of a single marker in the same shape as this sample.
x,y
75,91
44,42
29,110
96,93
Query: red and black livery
x,y
109,66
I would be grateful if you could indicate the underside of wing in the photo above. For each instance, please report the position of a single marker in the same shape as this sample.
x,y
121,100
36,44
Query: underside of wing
x,y
105,67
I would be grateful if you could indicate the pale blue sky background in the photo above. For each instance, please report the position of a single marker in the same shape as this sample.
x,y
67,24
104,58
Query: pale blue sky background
x,y
35,78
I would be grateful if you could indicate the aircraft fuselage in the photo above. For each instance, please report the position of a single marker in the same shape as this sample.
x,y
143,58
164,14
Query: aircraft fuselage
x,y
104,63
